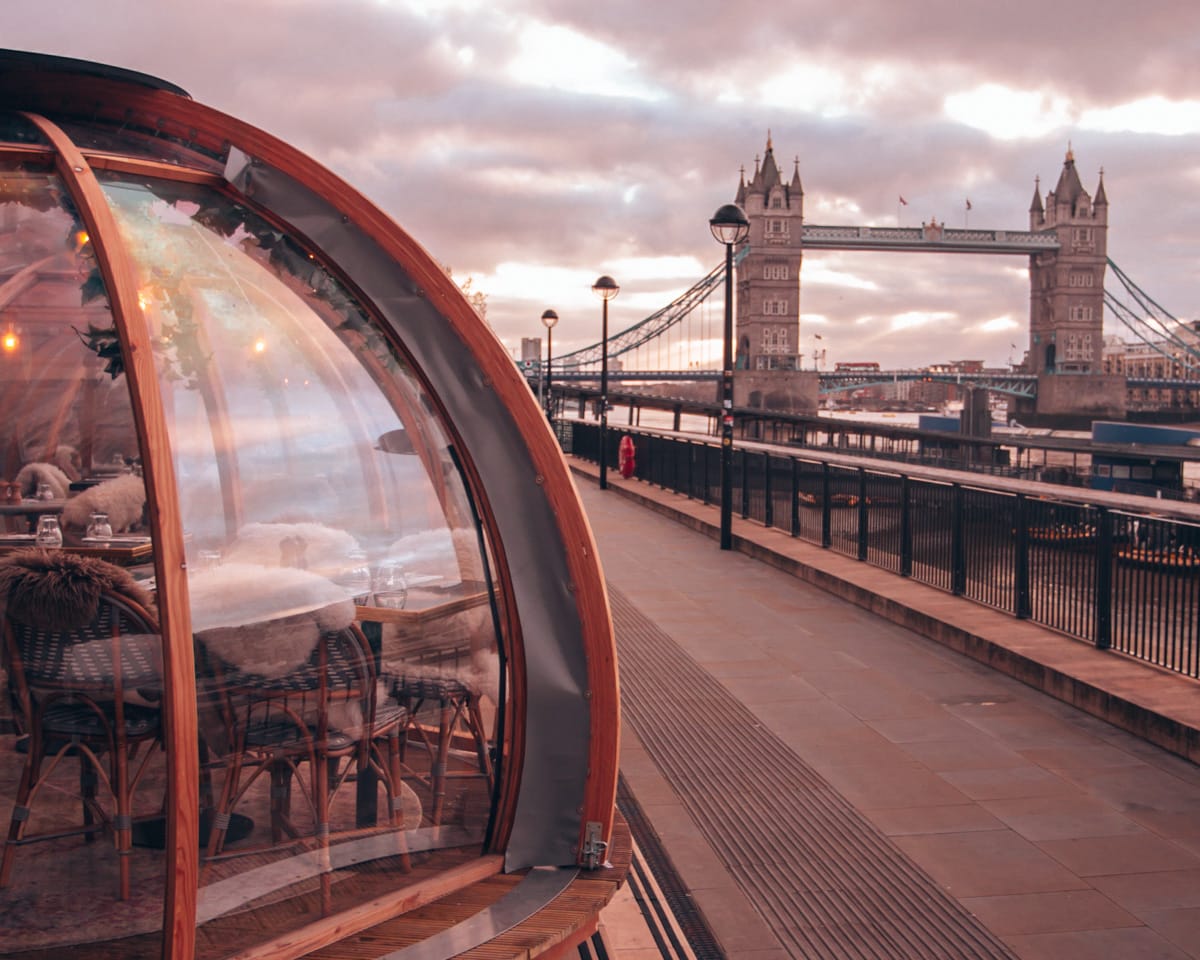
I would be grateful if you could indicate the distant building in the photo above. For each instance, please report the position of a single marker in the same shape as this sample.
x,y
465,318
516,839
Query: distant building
x,y
1158,360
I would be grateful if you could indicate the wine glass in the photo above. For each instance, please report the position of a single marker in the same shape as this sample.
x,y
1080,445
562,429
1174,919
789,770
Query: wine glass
x,y
49,533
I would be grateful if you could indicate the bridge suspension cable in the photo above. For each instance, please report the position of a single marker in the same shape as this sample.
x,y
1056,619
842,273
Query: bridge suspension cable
x,y
655,325
1154,325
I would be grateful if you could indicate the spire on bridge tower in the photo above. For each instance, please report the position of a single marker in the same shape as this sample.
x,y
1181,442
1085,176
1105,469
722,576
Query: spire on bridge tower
x,y
741,191
1068,197
1037,213
795,187
1101,197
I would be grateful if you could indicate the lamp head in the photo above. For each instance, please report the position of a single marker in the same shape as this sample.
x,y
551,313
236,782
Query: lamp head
x,y
729,224
549,319
606,288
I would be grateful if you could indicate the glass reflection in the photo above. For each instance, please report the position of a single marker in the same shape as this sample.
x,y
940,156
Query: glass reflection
x,y
347,737
82,777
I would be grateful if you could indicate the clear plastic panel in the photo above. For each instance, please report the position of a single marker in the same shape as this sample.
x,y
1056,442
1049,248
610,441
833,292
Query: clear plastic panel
x,y
347,657
82,771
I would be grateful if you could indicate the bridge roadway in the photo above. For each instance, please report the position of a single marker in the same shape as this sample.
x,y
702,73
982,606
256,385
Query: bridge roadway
x,y
831,777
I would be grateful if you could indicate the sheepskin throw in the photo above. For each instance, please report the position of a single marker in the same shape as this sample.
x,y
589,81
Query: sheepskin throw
x,y
313,546
265,620
123,498
30,475
57,591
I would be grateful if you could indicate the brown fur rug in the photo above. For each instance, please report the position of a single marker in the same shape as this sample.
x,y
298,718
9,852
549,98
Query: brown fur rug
x,y
54,590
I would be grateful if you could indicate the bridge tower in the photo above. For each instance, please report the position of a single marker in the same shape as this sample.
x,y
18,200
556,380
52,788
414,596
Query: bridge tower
x,y
767,330
768,306
1066,309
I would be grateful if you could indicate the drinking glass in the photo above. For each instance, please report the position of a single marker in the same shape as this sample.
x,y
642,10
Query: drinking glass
x,y
208,559
49,533
357,578
99,528
44,492
391,586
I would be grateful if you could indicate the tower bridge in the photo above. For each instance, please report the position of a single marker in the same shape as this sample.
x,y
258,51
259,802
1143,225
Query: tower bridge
x,y
1066,243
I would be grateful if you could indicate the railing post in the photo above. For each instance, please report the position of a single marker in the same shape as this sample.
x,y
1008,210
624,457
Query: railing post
x,y
863,519
905,527
745,485
826,525
1104,578
1022,606
707,498
958,555
769,505
795,497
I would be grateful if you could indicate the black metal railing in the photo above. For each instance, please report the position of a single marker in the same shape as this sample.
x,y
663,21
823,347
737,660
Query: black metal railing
x,y
1118,579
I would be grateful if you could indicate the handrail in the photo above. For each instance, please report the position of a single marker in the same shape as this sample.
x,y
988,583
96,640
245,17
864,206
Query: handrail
x,y
1090,564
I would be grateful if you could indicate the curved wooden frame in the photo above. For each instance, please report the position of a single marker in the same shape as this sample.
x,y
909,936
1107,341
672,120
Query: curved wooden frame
x,y
179,693
177,116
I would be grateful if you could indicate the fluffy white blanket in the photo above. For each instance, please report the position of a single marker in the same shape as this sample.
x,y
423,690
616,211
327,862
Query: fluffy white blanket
x,y
265,620
312,546
123,498
30,475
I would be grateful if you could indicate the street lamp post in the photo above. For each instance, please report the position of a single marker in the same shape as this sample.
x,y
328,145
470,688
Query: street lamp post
x,y
605,288
549,319
729,226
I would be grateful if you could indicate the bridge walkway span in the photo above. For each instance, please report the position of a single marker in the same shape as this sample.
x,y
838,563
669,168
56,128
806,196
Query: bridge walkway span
x,y
830,776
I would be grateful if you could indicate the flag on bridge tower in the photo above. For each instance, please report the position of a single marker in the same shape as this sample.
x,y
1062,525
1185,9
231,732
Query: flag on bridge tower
x,y
903,202
968,203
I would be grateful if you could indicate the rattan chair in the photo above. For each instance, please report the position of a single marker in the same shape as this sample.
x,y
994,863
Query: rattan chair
x,y
287,729
458,720
80,643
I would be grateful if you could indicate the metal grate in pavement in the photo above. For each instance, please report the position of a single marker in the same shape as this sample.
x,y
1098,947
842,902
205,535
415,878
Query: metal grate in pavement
x,y
679,929
820,874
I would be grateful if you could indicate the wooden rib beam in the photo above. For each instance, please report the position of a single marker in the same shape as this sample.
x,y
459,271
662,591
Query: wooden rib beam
x,y
179,694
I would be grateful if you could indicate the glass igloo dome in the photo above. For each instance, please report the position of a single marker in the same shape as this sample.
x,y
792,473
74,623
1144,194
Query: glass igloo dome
x,y
303,623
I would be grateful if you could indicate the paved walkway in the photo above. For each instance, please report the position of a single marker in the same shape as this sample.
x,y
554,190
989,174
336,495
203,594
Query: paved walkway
x,y
830,783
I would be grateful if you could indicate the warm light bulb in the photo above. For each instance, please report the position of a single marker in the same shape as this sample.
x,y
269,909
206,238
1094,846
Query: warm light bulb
x,y
10,342
260,345
81,240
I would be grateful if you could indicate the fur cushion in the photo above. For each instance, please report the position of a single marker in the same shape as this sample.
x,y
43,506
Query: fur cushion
x,y
123,498
55,591
30,475
265,620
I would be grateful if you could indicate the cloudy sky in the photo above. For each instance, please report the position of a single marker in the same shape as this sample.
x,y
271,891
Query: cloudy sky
x,y
531,145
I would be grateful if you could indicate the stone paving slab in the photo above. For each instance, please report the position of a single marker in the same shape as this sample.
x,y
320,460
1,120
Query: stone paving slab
x,y
1064,835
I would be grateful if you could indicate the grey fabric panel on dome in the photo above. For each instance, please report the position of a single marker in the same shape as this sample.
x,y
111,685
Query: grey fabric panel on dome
x,y
557,722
